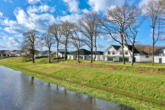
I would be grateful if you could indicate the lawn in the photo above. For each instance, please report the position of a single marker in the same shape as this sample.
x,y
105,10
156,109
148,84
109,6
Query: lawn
x,y
141,86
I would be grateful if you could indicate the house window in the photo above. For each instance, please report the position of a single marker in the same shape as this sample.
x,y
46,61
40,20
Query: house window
x,y
120,52
113,53
81,57
126,52
147,56
109,52
110,59
161,54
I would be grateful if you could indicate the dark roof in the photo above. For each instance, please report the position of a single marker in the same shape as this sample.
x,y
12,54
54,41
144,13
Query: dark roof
x,y
116,46
64,52
135,50
84,52
147,48
143,53
160,51
17,51
4,52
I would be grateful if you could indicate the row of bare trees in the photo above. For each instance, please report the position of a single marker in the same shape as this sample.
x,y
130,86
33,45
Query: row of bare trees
x,y
121,24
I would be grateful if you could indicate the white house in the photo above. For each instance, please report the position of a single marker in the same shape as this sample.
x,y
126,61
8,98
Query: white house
x,y
4,53
85,55
15,53
61,53
42,54
160,56
114,54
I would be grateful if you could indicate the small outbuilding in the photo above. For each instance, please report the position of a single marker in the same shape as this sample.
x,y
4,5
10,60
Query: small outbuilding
x,y
160,56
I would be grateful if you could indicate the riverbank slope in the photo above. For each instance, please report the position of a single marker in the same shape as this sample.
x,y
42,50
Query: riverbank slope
x,y
141,86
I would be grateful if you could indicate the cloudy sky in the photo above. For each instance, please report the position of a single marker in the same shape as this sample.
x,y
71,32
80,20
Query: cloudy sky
x,y
18,16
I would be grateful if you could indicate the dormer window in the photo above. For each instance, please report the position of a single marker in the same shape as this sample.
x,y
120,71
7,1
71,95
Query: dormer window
x,y
126,52
109,52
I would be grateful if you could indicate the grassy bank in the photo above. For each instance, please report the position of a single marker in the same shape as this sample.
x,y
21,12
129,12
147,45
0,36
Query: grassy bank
x,y
141,86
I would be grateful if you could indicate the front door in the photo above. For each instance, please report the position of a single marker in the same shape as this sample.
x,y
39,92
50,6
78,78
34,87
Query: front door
x,y
160,60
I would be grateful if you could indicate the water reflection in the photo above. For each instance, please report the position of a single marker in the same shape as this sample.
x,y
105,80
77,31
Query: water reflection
x,y
22,92
32,80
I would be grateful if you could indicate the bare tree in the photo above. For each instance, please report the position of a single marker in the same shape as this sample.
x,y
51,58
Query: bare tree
x,y
131,33
48,41
153,10
55,30
130,37
77,41
30,43
162,4
89,27
117,22
66,31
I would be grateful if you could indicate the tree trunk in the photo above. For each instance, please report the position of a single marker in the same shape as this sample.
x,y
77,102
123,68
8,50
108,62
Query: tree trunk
x,y
92,50
95,50
78,56
153,46
57,52
65,52
33,58
123,54
122,43
49,56
132,60
91,54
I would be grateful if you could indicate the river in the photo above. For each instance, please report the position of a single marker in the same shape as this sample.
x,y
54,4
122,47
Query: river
x,y
19,91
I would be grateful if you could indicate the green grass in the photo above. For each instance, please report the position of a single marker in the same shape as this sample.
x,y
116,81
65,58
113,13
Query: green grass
x,y
141,86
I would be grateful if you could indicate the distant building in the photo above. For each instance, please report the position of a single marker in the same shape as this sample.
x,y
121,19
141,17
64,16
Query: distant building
x,y
114,54
5,53
42,53
15,53
160,56
85,55
61,53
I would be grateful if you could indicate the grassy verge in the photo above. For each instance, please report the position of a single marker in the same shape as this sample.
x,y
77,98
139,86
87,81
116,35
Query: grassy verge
x,y
130,86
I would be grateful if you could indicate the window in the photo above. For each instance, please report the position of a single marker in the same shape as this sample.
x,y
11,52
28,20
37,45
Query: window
x,y
147,56
81,57
113,53
126,52
109,52
120,52
126,59
110,59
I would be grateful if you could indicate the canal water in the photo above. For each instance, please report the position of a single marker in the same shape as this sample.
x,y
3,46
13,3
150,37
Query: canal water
x,y
19,91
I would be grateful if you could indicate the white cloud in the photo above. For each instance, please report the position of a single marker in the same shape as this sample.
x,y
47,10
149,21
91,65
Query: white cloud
x,y
73,5
103,5
71,18
33,1
10,41
143,5
85,11
40,9
26,21
144,2
1,14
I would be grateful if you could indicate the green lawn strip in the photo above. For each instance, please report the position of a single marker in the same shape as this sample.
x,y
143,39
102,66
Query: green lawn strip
x,y
92,91
146,89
